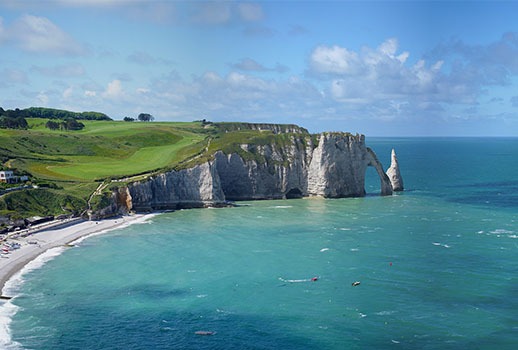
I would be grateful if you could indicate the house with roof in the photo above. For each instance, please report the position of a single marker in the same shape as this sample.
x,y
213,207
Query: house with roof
x,y
7,176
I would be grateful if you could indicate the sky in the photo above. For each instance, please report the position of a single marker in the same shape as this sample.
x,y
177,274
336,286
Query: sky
x,y
385,68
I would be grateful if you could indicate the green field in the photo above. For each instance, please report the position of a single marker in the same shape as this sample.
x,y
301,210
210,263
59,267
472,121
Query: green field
x,y
103,149
73,163
68,166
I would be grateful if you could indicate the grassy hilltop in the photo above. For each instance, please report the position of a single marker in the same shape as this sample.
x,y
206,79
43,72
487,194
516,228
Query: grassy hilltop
x,y
68,166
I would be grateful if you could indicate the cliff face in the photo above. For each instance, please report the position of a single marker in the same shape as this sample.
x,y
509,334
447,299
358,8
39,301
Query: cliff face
x,y
339,164
294,168
273,172
195,187
394,174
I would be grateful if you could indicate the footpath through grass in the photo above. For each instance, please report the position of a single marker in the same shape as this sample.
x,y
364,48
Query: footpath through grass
x,y
73,163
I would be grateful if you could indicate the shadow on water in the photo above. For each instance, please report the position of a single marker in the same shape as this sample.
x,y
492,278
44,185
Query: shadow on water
x,y
502,194
168,330
155,291
488,195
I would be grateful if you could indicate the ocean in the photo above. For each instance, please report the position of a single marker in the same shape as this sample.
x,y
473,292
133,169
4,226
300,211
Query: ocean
x,y
437,266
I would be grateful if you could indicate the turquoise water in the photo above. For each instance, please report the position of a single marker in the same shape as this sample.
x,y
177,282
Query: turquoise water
x,y
437,265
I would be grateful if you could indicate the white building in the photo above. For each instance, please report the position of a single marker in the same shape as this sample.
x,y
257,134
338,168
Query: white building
x,y
7,176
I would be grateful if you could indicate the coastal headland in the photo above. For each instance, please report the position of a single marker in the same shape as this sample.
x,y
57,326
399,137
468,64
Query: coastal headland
x,y
103,173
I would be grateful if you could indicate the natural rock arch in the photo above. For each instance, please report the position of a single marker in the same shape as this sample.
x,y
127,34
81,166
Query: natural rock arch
x,y
386,186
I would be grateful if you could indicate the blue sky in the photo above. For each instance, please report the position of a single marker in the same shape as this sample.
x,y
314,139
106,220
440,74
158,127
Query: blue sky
x,y
411,68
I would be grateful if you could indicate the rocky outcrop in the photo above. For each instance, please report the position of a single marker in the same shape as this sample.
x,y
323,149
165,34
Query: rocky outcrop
x,y
331,166
269,171
394,174
274,128
190,188
339,164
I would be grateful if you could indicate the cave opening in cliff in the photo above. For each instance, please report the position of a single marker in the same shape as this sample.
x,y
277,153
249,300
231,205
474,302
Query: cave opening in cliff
x,y
294,193
372,182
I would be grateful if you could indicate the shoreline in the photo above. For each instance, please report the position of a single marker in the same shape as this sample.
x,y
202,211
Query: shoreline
x,y
40,241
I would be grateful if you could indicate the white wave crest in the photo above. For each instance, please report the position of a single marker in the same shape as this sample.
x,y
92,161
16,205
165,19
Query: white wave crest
x,y
298,281
145,219
12,288
501,231
7,311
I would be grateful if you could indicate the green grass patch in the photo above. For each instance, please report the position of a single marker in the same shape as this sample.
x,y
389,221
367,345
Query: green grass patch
x,y
102,149
74,163
41,202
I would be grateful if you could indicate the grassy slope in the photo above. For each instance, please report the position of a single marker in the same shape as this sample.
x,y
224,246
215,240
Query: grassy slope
x,y
74,160
77,161
106,149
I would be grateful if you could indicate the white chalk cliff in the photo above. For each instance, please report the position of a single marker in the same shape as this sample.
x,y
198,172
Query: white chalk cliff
x,y
331,166
338,167
394,174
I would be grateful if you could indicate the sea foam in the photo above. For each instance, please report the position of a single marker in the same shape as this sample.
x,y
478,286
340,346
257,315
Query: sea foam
x,y
11,288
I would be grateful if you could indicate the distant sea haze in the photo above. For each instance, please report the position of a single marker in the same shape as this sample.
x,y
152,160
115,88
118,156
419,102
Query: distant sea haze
x,y
436,265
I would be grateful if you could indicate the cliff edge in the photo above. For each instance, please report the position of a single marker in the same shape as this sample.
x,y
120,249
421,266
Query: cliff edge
x,y
297,164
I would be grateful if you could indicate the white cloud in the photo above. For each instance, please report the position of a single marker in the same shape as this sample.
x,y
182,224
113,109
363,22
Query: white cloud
x,y
62,71
68,3
334,60
90,93
114,90
250,12
248,64
234,96
13,76
374,74
43,99
2,31
88,3
152,11
68,93
213,12
141,57
142,91
144,58
223,12
40,35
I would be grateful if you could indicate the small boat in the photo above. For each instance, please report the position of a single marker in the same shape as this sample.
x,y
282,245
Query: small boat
x,y
204,333
354,284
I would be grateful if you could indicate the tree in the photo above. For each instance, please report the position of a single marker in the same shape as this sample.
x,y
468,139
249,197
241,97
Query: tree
x,y
52,125
145,117
72,124
129,119
13,122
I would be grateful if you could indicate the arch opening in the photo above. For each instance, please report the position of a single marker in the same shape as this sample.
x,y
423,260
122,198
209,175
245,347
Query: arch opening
x,y
372,182
294,193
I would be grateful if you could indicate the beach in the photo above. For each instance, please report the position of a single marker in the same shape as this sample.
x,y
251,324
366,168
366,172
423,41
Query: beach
x,y
50,236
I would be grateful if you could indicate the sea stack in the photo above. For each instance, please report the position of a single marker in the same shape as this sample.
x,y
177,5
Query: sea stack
x,y
393,173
